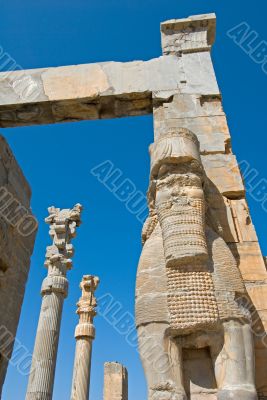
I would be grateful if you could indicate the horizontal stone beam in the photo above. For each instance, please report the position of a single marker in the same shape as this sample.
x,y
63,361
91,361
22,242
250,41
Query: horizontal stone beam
x,y
105,90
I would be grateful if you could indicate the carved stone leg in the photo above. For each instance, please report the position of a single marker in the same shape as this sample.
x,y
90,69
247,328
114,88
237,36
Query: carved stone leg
x,y
162,363
234,365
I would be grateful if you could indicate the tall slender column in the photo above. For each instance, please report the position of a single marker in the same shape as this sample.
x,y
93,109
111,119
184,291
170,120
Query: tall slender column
x,y
84,334
54,290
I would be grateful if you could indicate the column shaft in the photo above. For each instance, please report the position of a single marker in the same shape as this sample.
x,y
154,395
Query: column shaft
x,y
42,374
54,290
82,367
84,334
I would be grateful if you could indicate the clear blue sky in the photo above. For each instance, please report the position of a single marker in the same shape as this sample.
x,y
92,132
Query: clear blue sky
x,y
57,159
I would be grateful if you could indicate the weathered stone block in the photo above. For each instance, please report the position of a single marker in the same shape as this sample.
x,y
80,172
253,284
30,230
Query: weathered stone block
x,y
12,176
192,34
223,171
243,222
250,261
261,371
198,68
258,295
115,382
16,246
220,215
95,91
192,106
201,115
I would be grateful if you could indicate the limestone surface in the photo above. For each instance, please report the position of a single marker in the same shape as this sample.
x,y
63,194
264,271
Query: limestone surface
x,y
197,194
18,229
97,91
115,381
84,334
63,224
190,294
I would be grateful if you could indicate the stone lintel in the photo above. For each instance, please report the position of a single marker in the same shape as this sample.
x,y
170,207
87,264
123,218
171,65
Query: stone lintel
x,y
188,35
98,91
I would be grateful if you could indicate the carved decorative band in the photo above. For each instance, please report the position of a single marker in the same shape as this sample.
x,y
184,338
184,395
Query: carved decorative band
x,y
56,284
180,145
183,233
191,300
85,330
181,132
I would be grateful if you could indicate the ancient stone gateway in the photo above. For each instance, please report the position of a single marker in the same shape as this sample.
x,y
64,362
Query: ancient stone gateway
x,y
201,295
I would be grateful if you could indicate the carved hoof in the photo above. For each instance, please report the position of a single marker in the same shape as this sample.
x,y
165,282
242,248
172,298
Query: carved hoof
x,y
237,394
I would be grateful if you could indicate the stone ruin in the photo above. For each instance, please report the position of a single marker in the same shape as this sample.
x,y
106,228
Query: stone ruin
x,y
201,292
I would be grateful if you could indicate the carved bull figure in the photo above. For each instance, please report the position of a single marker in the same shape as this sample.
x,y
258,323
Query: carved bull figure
x,y
189,293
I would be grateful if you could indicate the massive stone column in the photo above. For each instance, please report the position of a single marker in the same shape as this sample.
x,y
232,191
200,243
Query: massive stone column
x,y
18,229
54,290
84,334
115,382
190,40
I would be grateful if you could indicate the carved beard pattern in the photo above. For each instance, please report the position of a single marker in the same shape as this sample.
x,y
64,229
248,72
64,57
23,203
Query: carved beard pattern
x,y
191,300
182,221
180,207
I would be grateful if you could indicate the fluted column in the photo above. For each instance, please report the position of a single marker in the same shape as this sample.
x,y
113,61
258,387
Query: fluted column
x,y
54,290
84,334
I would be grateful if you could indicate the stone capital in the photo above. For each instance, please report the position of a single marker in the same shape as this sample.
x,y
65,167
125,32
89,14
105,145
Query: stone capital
x,y
87,307
87,302
188,35
63,224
